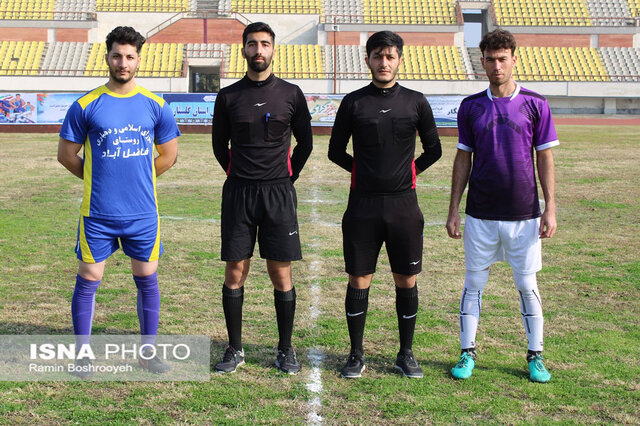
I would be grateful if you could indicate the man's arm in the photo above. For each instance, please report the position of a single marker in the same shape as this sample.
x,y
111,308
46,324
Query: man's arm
x,y
459,179
547,176
340,135
167,156
428,132
221,133
301,129
68,157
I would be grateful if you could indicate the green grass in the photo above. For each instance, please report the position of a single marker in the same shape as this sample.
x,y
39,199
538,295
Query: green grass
x,y
589,285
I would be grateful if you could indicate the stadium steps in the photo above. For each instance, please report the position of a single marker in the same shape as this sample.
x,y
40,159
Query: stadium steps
x,y
476,63
601,9
208,6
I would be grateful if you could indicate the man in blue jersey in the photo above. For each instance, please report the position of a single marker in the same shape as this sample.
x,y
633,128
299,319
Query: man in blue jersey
x,y
119,124
498,131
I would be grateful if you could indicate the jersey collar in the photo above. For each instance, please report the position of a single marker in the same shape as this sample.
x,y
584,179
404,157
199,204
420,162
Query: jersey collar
x,y
384,92
513,95
265,82
133,92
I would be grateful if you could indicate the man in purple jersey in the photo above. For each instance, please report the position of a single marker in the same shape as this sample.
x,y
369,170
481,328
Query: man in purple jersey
x,y
499,128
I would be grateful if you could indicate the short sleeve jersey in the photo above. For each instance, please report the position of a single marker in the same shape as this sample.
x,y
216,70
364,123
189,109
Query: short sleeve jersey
x,y
119,133
502,134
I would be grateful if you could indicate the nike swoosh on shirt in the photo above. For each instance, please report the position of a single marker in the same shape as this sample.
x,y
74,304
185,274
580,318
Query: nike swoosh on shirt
x,y
384,111
260,104
294,232
409,316
349,314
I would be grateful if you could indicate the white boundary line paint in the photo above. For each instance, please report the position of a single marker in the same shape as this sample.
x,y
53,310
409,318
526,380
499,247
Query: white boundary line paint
x,y
315,355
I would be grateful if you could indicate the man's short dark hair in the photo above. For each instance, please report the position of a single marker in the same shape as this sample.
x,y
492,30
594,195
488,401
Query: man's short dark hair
x,y
257,27
498,39
384,39
125,35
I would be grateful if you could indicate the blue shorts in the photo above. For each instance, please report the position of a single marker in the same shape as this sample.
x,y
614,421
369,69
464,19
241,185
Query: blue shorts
x,y
99,238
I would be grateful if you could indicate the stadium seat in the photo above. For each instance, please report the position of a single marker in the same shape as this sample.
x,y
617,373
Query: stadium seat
x,y
559,64
542,12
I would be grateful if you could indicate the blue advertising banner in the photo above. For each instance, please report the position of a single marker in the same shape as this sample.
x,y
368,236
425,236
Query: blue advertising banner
x,y
189,108
52,107
18,108
445,109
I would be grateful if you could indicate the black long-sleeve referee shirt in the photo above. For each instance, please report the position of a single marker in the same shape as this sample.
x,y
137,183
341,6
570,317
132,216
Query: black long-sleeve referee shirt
x,y
258,119
383,124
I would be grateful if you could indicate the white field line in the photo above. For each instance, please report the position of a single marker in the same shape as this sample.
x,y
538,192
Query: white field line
x,y
315,355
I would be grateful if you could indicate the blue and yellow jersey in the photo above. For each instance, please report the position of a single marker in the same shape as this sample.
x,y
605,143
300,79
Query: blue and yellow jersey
x,y
119,133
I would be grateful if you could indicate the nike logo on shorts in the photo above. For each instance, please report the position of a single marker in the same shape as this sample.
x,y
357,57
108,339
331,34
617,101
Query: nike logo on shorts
x,y
292,233
384,111
409,316
349,314
260,104
414,263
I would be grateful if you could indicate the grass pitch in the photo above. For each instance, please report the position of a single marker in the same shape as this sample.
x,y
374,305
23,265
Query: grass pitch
x,y
590,286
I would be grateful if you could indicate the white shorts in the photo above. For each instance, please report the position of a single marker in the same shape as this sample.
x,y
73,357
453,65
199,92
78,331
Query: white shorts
x,y
490,241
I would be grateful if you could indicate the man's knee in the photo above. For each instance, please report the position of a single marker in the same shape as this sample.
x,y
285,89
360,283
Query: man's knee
x,y
476,280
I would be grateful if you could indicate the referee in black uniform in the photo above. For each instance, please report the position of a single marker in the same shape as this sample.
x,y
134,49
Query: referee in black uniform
x,y
382,118
257,115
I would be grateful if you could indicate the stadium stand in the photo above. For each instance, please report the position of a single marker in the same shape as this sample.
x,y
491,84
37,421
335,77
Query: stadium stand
x,y
290,61
622,63
142,5
609,12
341,11
158,60
206,50
432,63
21,57
559,64
27,9
278,6
65,58
432,12
349,62
542,12
634,7
70,10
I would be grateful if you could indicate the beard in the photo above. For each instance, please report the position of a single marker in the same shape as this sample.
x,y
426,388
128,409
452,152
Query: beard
x,y
259,66
390,77
114,75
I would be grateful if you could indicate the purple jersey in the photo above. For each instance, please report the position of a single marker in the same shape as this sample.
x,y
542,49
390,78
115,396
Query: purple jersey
x,y
502,133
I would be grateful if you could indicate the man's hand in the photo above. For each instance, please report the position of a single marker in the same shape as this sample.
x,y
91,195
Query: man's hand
x,y
453,225
548,223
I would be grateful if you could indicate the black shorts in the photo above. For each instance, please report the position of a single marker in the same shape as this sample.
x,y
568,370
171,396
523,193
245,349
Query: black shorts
x,y
263,208
370,220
